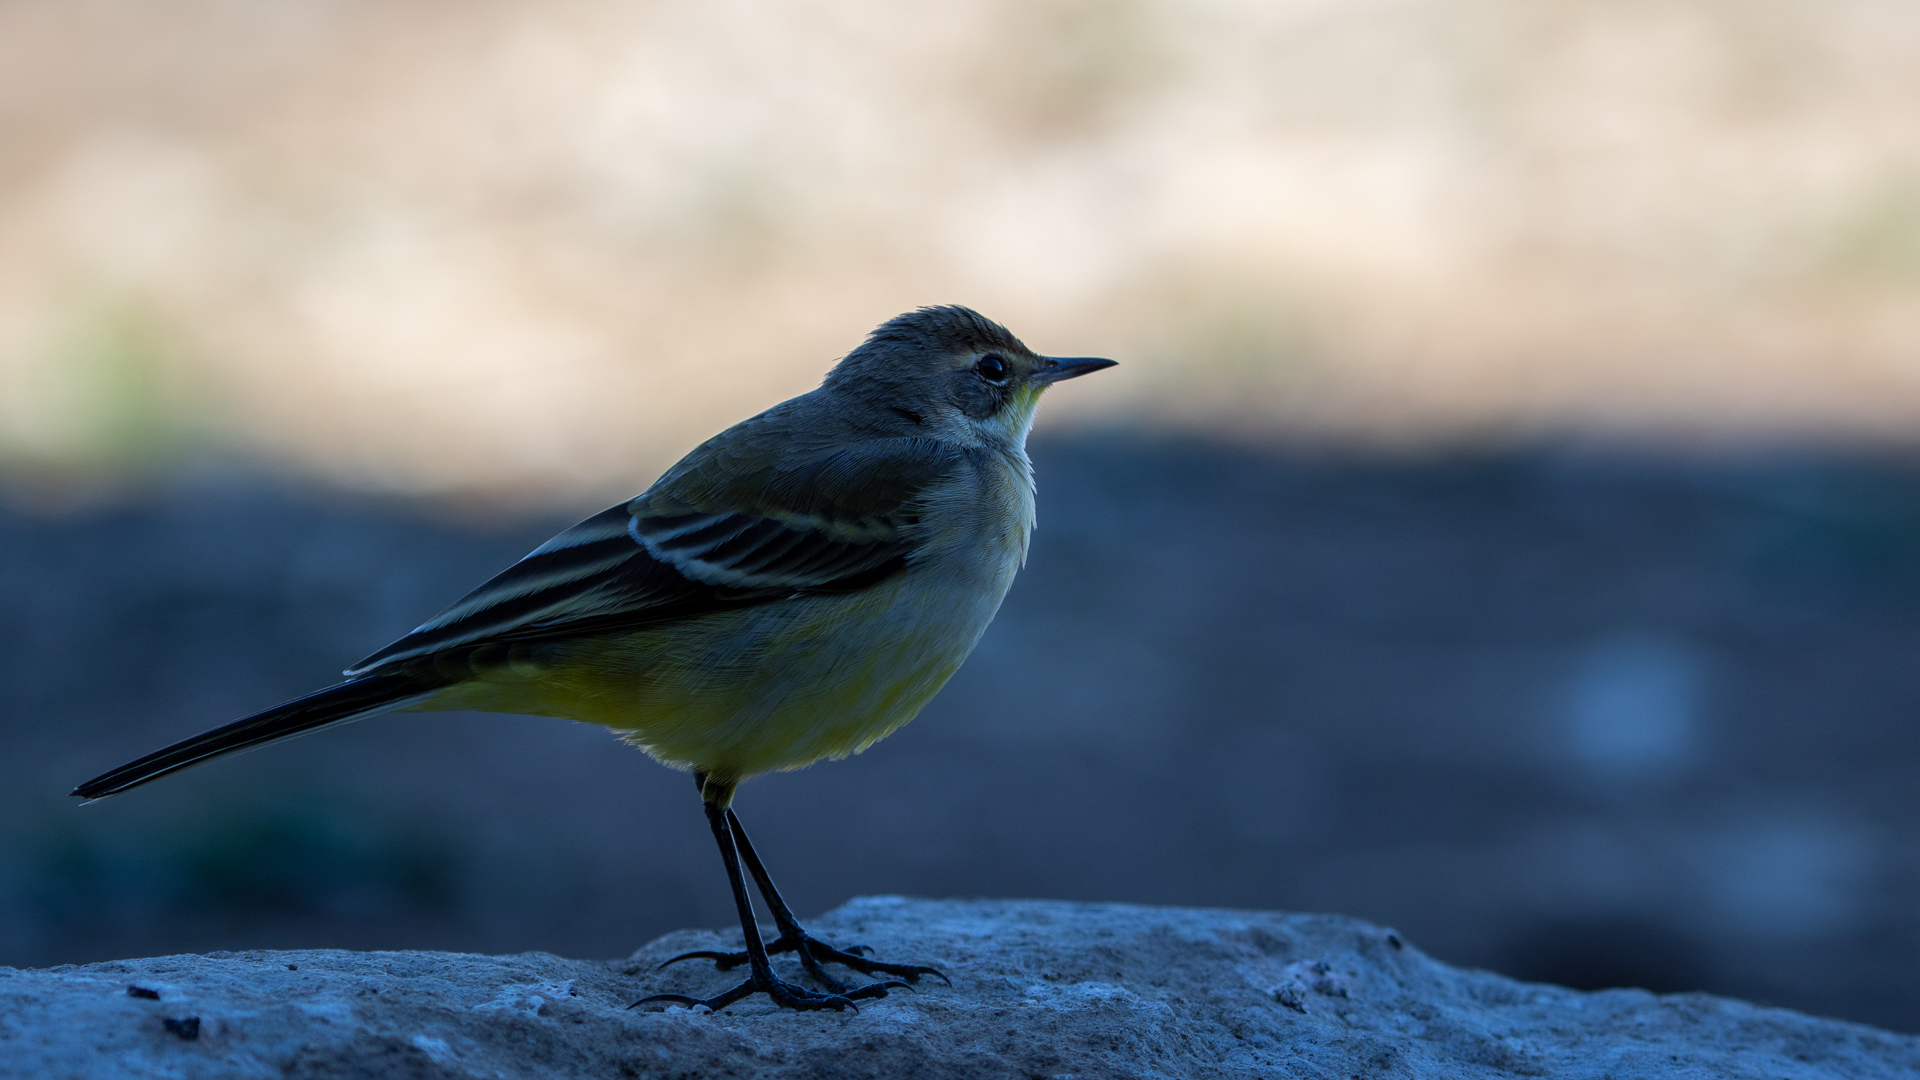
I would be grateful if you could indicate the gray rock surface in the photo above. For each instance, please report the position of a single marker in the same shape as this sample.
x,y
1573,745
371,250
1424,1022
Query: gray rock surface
x,y
1040,989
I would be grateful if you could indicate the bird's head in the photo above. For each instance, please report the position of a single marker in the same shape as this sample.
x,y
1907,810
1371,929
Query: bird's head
x,y
953,374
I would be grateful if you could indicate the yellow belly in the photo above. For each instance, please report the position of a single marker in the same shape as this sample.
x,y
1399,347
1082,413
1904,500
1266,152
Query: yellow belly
x,y
760,689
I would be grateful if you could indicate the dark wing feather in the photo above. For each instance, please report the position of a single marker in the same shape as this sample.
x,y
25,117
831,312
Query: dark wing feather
x,y
690,547
323,708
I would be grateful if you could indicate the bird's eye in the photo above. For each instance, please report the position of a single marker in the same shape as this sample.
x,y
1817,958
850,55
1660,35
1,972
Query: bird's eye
x,y
993,368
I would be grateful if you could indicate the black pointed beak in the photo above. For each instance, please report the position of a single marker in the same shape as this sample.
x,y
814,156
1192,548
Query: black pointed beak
x,y
1055,369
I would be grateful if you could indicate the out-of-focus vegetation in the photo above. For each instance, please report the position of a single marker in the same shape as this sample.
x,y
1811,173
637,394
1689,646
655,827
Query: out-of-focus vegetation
x,y
539,248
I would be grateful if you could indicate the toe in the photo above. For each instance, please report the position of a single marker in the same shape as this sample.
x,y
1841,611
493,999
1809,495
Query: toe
x,y
722,960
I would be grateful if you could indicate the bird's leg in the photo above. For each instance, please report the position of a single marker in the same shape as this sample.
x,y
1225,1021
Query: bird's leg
x,y
760,979
811,950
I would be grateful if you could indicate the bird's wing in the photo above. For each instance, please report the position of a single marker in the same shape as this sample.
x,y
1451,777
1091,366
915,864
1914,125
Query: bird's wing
x,y
711,534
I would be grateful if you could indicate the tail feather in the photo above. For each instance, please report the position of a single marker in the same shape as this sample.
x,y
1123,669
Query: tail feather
x,y
340,704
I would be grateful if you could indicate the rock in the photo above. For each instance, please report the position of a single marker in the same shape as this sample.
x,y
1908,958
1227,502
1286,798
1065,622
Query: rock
x,y
1040,989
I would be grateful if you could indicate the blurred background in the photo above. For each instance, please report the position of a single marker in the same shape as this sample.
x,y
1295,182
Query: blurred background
x,y
1505,524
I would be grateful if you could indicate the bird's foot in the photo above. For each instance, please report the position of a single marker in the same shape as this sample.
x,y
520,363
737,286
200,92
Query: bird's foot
x,y
813,952
781,993
855,957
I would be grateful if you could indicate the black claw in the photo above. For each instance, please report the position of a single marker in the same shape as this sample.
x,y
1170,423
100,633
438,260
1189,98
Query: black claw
x,y
821,951
676,999
721,960
880,989
784,994
818,952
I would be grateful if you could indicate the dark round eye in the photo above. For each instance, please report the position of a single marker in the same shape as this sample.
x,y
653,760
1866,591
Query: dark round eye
x,y
993,368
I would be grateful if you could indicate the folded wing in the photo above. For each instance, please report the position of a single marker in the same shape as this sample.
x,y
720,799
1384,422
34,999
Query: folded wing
x,y
705,538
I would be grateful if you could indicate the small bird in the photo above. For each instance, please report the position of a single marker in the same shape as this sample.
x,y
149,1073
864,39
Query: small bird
x,y
796,588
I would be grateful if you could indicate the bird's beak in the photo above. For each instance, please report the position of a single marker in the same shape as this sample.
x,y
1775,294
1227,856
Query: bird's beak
x,y
1055,369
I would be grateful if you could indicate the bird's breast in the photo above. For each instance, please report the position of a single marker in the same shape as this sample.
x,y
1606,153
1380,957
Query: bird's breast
x,y
982,517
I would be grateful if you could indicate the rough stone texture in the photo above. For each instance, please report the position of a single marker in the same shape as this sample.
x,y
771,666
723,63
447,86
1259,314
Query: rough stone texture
x,y
1041,989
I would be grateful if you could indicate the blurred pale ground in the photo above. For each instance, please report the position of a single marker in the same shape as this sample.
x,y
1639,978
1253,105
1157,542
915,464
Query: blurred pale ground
x,y
1505,522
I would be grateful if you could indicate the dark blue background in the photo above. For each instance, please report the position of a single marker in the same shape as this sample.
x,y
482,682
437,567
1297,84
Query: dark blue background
x,y
1577,715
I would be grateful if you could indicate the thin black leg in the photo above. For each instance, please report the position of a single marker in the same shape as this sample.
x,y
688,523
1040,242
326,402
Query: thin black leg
x,y
793,938
811,950
760,978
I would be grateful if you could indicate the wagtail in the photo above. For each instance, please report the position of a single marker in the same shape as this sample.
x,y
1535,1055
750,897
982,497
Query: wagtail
x,y
796,588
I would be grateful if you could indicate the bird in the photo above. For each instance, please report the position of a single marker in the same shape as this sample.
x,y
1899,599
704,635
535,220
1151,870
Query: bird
x,y
795,589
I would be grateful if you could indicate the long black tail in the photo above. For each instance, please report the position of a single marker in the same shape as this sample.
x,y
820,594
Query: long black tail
x,y
339,704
